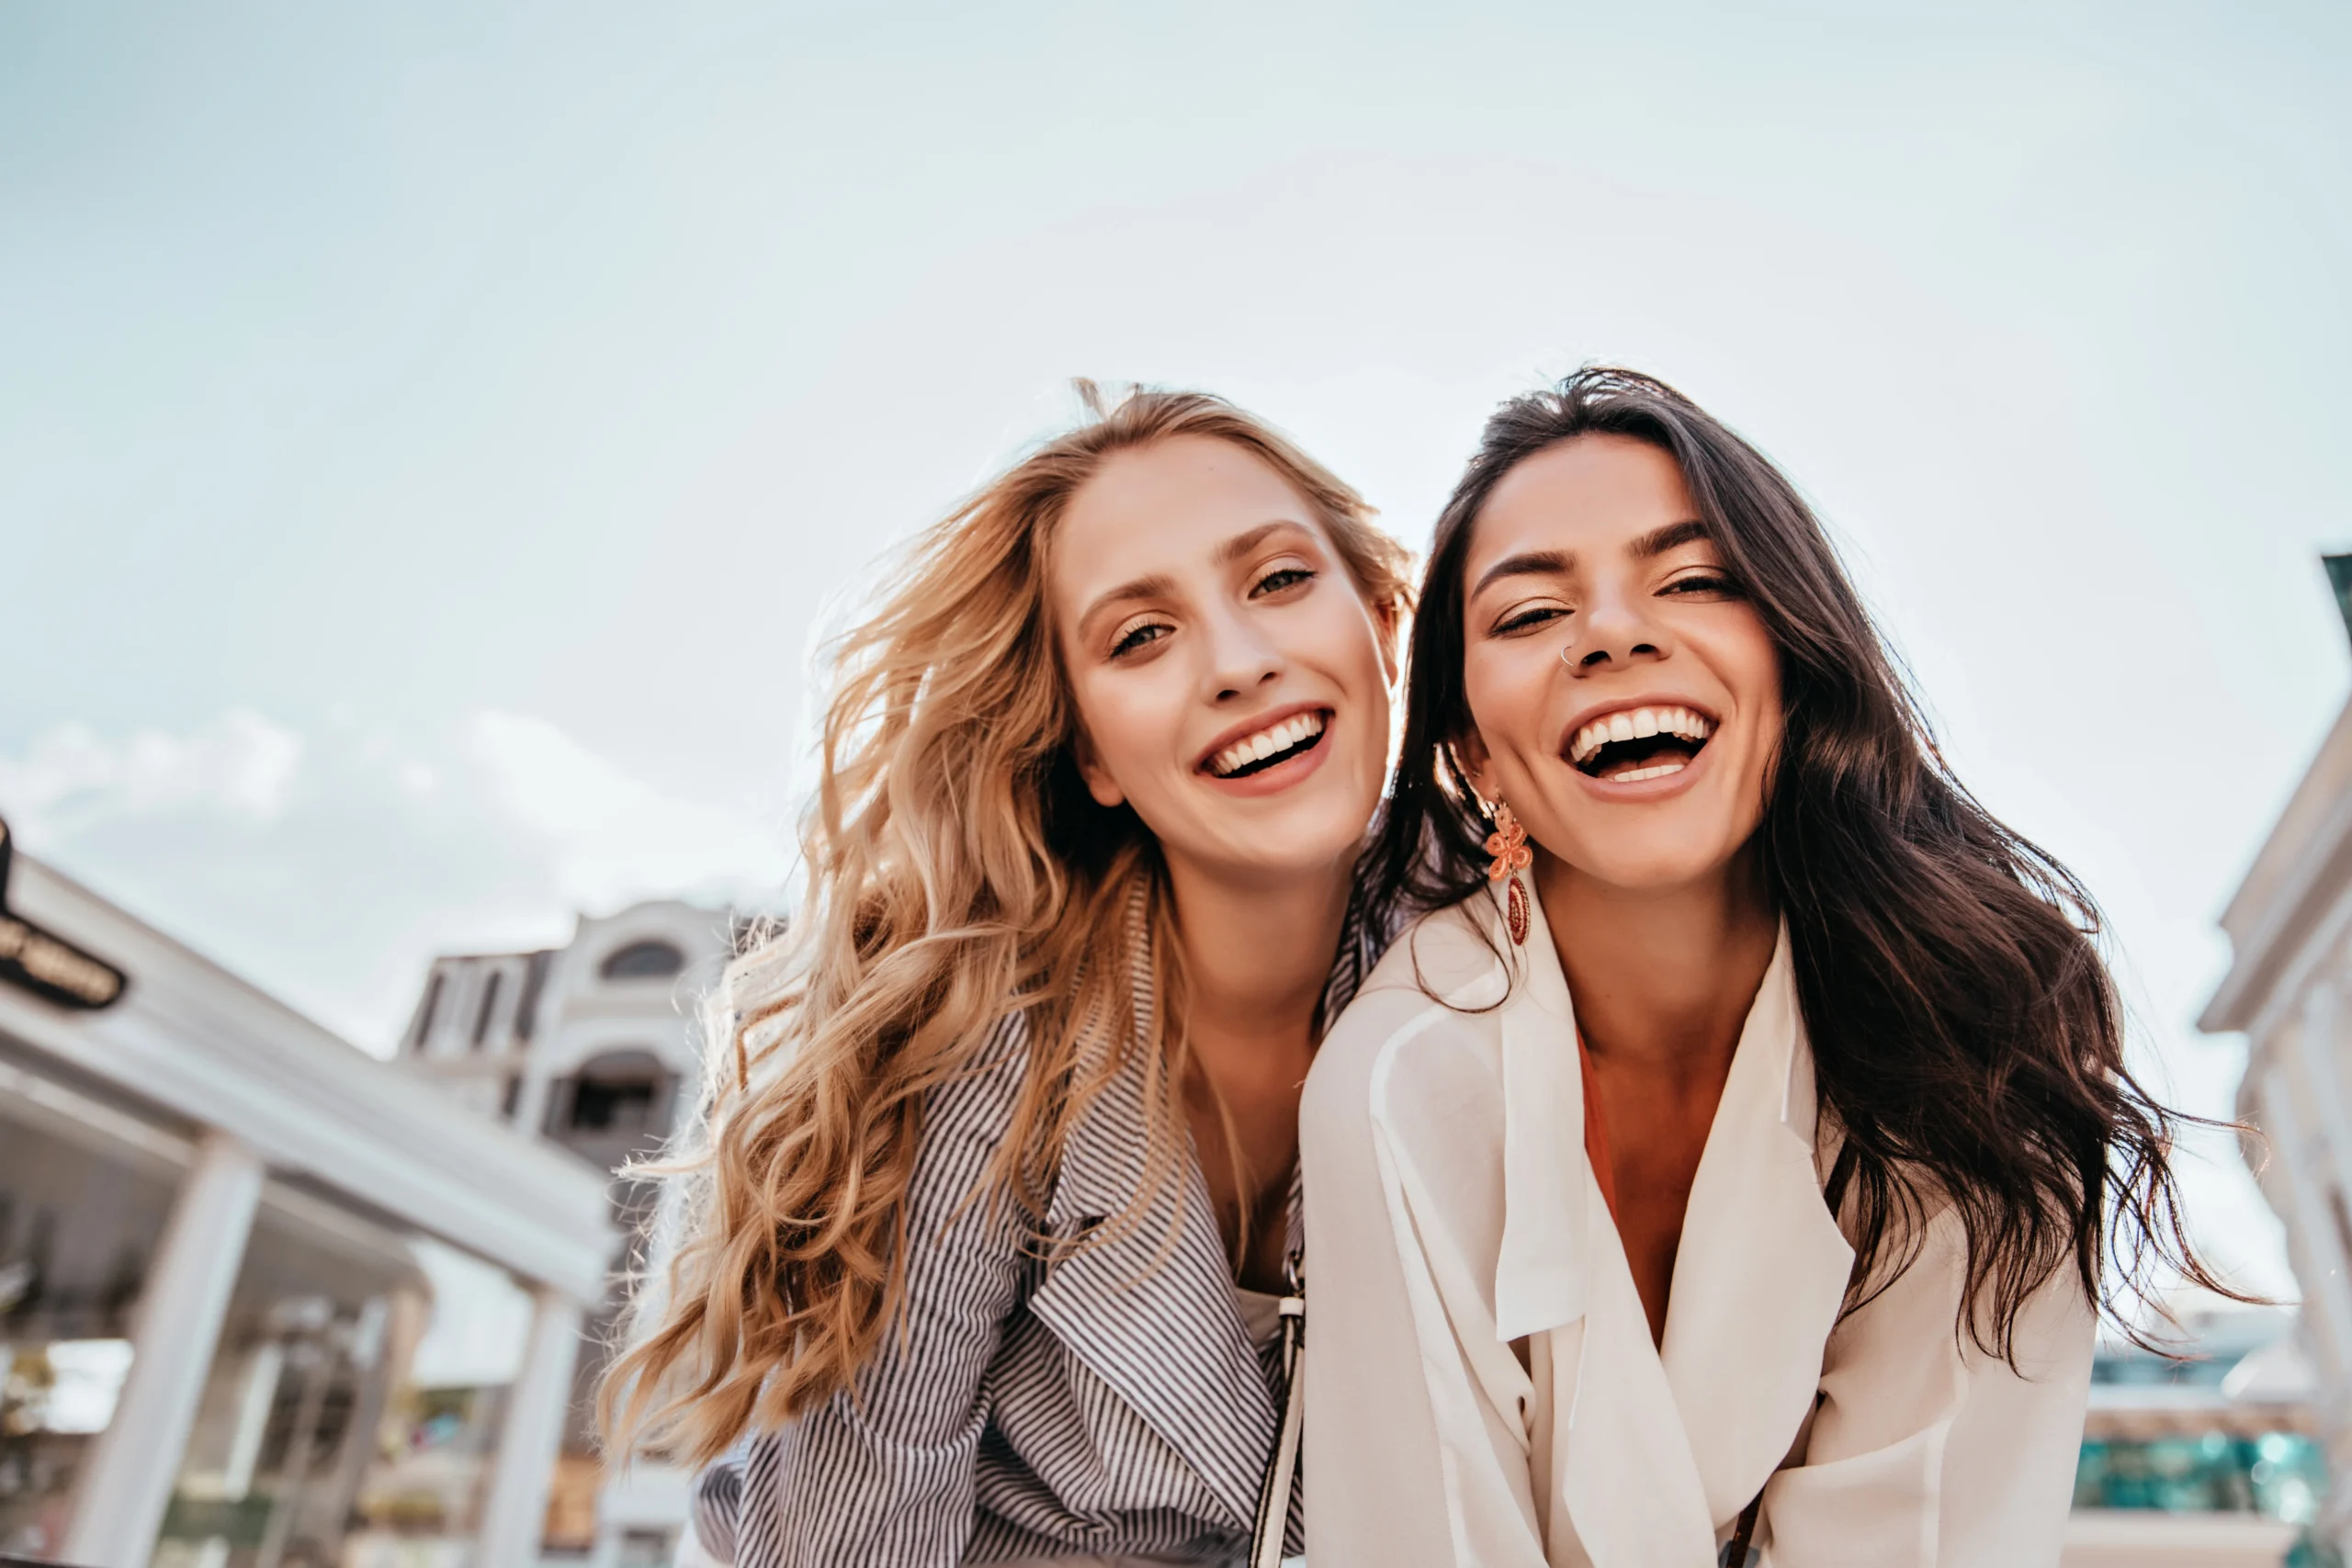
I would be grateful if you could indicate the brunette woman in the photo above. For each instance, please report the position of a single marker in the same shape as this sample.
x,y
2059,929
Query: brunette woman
x,y
998,1182
1724,1166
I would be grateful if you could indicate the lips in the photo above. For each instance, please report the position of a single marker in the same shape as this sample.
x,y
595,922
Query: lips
x,y
1638,741
1269,746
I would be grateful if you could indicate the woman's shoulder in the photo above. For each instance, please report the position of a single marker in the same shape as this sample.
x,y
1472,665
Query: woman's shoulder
x,y
978,1101
1422,1033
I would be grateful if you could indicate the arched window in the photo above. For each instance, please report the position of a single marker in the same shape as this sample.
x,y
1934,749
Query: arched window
x,y
619,1092
643,961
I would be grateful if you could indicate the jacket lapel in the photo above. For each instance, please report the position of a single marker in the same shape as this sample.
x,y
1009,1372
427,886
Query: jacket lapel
x,y
1161,1327
1664,1446
1761,1272
1623,1469
1541,1272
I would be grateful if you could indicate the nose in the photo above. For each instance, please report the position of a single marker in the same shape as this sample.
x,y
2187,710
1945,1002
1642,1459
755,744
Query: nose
x,y
1616,630
1240,659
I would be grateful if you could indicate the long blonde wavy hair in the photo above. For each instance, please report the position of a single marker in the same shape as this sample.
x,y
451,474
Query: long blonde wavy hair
x,y
957,871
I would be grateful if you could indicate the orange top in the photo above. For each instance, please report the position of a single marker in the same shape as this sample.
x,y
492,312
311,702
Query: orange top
x,y
1596,1130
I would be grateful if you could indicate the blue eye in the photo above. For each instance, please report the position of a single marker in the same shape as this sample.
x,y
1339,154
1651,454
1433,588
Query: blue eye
x,y
1139,637
1275,582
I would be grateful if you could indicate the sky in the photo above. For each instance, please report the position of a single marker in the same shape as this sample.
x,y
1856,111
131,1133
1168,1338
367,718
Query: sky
x,y
434,439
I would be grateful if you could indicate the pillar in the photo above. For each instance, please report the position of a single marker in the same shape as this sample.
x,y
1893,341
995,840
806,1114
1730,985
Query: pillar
x,y
2316,1043
515,1510
119,1503
2317,1246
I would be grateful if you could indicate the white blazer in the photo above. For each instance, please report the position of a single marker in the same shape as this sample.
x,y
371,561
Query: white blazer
x,y
1451,1210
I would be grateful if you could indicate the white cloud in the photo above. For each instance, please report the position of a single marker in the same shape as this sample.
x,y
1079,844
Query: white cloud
x,y
614,836
239,764
330,867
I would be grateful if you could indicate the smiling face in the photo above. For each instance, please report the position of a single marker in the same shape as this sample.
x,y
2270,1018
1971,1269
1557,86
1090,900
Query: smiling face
x,y
1641,759
1231,683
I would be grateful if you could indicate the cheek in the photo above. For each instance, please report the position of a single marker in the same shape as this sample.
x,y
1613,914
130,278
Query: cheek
x,y
1753,666
1760,677
1127,723
1506,694
1335,632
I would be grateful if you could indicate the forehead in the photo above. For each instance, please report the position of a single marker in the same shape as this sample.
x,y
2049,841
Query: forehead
x,y
1590,496
1165,507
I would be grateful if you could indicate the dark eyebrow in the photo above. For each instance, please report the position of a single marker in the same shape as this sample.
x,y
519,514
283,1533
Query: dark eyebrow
x,y
1673,537
1553,563
1527,563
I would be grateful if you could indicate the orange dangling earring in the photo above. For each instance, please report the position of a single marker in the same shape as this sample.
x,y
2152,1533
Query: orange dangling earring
x,y
1508,845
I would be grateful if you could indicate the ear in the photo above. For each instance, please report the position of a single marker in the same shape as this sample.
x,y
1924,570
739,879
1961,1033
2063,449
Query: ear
x,y
1099,782
1474,763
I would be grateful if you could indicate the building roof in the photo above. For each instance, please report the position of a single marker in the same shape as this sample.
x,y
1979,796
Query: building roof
x,y
2296,878
197,1046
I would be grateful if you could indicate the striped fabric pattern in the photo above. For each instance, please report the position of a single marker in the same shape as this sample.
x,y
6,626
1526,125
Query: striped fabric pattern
x,y
1095,1406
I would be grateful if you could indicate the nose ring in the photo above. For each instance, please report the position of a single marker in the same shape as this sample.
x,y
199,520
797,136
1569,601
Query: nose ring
x,y
1569,648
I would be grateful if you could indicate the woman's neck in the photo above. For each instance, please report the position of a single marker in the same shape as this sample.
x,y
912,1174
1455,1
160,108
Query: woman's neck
x,y
1256,962
1256,959
1663,979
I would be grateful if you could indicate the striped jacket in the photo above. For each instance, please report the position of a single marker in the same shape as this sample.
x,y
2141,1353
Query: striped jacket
x,y
1092,1406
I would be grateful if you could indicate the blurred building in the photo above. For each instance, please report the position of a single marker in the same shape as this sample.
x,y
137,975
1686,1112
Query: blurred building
x,y
2212,1461
2289,989
263,1302
595,1047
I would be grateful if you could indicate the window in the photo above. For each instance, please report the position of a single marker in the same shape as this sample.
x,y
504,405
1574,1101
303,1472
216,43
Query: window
x,y
526,1004
426,1009
619,1105
644,960
606,1105
489,1005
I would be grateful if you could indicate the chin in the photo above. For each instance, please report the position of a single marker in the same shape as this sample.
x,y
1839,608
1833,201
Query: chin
x,y
1302,840
1626,861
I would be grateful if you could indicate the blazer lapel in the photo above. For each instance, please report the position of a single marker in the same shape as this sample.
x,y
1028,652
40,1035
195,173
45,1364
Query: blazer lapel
x,y
1161,1328
1540,1271
1761,1272
1623,1469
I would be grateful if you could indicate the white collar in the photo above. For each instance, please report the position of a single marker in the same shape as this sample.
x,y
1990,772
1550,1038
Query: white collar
x,y
1761,1270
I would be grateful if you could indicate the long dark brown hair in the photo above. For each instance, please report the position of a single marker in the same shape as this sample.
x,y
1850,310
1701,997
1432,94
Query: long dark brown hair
x,y
1967,1037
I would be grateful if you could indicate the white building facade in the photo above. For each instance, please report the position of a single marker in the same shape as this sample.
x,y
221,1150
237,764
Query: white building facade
x,y
234,1249
2289,990
596,1048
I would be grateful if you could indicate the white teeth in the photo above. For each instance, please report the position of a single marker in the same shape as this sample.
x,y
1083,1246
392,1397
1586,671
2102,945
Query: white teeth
x,y
1638,724
1266,742
1638,774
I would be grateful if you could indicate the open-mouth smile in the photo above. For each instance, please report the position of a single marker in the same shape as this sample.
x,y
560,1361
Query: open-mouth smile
x,y
1285,738
1650,741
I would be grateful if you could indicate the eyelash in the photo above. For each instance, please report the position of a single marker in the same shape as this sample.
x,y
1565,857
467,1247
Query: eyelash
x,y
1536,615
1127,643
1528,620
1275,582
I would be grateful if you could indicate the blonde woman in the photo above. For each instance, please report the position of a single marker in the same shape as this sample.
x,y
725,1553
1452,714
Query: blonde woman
x,y
999,1184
